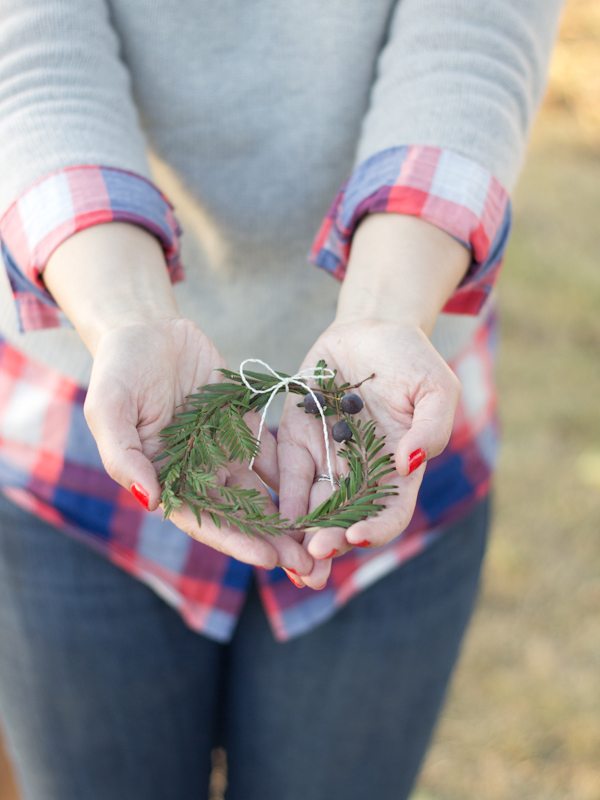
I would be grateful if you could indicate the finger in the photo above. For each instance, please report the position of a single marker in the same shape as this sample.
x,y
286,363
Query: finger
x,y
295,579
290,552
229,541
324,543
317,578
296,475
300,446
393,519
328,543
265,464
114,429
292,555
430,430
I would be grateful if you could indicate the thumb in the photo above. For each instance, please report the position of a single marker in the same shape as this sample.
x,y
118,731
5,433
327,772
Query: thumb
x,y
121,451
429,433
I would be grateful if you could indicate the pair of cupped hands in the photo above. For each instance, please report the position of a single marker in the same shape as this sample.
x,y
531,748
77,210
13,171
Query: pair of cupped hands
x,y
143,372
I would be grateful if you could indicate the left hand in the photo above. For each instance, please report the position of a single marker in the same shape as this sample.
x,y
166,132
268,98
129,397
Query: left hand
x,y
412,399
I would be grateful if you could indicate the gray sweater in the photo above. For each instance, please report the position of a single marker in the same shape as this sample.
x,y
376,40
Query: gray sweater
x,y
257,111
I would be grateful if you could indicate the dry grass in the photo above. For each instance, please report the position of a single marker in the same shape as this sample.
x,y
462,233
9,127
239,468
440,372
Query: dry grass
x,y
8,790
575,70
523,719
524,716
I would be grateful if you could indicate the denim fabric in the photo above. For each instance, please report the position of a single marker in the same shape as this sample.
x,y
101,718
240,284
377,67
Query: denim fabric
x,y
105,694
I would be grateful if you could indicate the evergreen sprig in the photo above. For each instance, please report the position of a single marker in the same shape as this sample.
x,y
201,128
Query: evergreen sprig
x,y
356,498
211,431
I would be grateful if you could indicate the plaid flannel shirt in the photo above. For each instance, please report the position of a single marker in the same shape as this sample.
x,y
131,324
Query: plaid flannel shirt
x,y
49,463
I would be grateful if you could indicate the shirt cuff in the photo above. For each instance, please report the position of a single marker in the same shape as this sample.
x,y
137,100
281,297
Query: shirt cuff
x,y
64,203
440,186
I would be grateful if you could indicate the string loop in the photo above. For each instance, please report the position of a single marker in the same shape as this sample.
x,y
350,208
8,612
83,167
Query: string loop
x,y
299,379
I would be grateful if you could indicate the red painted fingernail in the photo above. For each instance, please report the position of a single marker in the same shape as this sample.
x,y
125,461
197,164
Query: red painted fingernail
x,y
329,555
415,459
293,571
140,494
364,543
297,584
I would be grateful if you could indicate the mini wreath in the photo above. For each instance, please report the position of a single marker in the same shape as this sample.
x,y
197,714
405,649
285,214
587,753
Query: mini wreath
x,y
211,431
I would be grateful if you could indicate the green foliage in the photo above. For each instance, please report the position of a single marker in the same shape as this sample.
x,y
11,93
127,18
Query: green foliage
x,y
211,432
356,497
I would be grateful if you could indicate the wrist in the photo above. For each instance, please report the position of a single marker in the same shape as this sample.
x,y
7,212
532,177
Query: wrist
x,y
110,276
376,328
141,322
401,269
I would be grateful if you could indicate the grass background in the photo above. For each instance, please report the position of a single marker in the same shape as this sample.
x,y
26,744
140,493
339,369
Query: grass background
x,y
523,716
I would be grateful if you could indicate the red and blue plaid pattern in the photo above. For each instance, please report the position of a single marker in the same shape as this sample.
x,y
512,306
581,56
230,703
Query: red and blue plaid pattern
x,y
49,463
440,186
63,203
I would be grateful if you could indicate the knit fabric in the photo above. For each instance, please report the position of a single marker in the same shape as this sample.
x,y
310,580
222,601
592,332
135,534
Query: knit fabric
x,y
261,115
262,110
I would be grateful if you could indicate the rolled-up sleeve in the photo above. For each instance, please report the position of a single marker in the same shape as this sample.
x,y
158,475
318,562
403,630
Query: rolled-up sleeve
x,y
68,201
442,187
72,152
455,91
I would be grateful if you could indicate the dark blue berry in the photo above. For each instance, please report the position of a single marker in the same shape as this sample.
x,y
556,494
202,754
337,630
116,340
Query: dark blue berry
x,y
341,431
310,406
351,404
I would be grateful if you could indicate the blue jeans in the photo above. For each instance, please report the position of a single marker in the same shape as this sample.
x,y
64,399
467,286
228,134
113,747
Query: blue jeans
x,y
106,695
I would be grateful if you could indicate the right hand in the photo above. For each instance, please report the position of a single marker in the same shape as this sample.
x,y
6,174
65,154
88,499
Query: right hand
x,y
141,373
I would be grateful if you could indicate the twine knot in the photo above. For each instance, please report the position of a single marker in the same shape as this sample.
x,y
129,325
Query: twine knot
x,y
284,381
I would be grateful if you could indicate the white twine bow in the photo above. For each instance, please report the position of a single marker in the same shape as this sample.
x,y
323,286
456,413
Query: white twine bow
x,y
307,372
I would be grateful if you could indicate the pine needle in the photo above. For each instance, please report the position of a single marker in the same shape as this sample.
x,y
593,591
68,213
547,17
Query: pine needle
x,y
212,432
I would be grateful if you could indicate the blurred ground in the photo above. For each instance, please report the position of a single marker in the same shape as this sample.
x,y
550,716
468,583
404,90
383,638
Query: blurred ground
x,y
523,718
8,790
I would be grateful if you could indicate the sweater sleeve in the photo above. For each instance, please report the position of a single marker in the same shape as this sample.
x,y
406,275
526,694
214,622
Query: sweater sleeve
x,y
456,88
463,76
72,153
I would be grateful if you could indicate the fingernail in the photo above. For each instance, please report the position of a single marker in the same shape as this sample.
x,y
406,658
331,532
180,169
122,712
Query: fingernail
x,y
364,543
297,584
140,494
415,459
329,555
292,570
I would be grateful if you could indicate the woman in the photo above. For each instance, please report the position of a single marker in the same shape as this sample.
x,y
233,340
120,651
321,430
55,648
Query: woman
x,y
419,111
